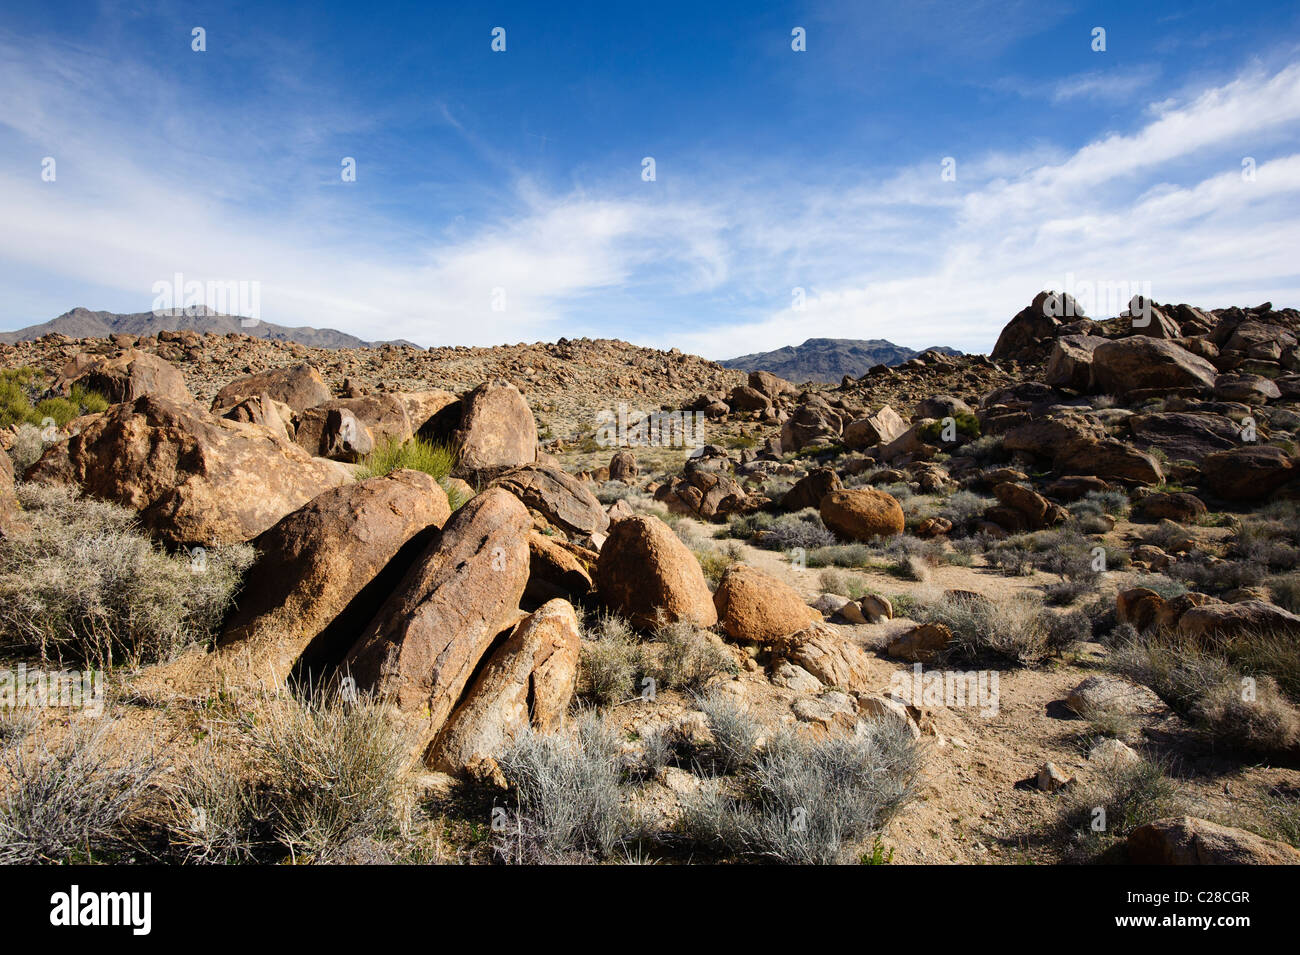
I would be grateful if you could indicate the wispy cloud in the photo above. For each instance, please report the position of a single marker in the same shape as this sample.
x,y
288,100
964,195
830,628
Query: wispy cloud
x,y
149,185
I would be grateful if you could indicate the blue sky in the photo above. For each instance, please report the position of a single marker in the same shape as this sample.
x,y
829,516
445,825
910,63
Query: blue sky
x,y
499,197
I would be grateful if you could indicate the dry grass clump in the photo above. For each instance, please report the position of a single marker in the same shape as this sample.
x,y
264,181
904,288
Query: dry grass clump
x,y
82,583
74,802
805,802
1207,685
569,799
1097,818
612,658
688,657
1018,629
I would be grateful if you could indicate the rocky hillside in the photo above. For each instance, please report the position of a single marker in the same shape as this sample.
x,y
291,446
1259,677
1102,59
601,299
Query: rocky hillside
x,y
939,612
829,359
84,323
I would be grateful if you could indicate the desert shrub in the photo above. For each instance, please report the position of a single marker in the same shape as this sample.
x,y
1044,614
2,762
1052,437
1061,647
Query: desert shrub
x,y
1282,810
799,801
1011,559
910,567
333,771
985,450
689,658
27,448
963,507
1217,576
834,581
82,582
840,555
1212,693
19,387
218,812
1018,629
803,529
73,803
1286,591
735,731
611,660
1123,798
417,454
967,426
612,491
1161,584
567,790
715,561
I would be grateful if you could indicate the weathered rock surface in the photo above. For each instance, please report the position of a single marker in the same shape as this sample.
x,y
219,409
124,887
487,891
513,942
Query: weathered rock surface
x,y
1186,840
298,386
756,608
647,574
193,478
862,513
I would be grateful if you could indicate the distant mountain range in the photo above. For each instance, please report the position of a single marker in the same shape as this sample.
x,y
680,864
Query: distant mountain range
x,y
83,323
828,359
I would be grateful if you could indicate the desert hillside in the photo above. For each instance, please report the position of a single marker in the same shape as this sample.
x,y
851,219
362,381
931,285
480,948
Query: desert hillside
x,y
589,602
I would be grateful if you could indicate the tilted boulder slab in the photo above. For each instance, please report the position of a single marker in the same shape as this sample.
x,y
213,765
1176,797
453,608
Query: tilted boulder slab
x,y
554,572
527,681
647,574
338,555
497,429
558,496
1140,362
756,608
1248,473
298,386
192,478
1029,335
882,427
423,646
131,375
861,514
1184,436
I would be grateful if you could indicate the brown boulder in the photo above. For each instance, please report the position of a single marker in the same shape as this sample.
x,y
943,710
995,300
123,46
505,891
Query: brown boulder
x,y
1070,365
769,384
193,478
623,467
831,658
647,574
756,608
9,509
131,375
554,572
862,513
558,496
325,430
810,489
425,642
921,644
497,429
299,386
882,427
266,411
527,681
1141,362
1237,619
1138,607
325,569
1176,506
1186,840
1248,473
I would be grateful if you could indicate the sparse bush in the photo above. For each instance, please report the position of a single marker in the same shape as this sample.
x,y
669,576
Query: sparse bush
x,y
911,568
840,555
27,448
690,657
714,561
19,387
804,529
808,802
1018,629
984,450
1286,591
218,810
1122,799
333,769
1282,810
612,658
83,583
963,507
73,803
735,731
567,787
